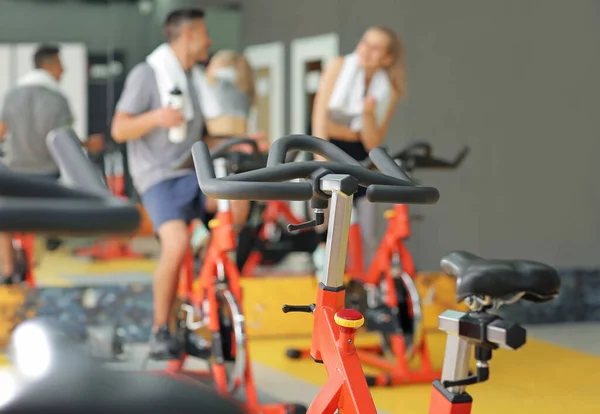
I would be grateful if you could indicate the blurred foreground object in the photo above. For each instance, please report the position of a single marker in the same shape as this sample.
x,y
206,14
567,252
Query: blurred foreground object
x,y
53,374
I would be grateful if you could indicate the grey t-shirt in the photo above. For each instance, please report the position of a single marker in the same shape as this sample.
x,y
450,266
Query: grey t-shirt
x,y
30,113
152,157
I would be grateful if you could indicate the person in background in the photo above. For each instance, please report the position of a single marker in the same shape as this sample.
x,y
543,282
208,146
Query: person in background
x,y
30,111
357,97
158,136
231,82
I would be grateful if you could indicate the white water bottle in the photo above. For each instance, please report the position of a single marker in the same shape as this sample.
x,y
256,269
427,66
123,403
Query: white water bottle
x,y
177,134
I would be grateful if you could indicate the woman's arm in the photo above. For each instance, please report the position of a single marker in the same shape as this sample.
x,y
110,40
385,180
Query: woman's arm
x,y
320,107
372,135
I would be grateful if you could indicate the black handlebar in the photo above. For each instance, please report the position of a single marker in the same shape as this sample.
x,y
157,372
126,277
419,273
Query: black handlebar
x,y
266,183
33,204
216,188
223,148
418,154
238,161
283,145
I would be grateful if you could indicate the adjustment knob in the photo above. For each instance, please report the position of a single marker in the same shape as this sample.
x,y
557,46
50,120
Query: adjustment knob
x,y
388,214
349,318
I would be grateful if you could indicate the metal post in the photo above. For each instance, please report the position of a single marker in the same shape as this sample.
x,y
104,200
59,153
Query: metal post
x,y
220,166
340,209
456,361
458,349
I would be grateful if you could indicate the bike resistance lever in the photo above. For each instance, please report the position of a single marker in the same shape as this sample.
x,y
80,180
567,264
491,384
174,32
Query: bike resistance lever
x,y
317,221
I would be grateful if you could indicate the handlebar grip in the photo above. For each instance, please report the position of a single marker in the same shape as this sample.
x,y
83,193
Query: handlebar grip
x,y
387,165
223,148
378,193
243,190
299,142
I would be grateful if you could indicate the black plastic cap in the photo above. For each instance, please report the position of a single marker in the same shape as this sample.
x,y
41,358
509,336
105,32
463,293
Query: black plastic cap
x,y
370,380
349,185
516,335
293,353
296,409
455,399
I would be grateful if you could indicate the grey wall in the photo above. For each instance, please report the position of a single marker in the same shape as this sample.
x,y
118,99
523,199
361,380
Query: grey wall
x,y
100,27
517,82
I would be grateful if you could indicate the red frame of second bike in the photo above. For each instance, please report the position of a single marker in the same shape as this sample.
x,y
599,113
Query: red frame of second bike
x,y
223,240
346,388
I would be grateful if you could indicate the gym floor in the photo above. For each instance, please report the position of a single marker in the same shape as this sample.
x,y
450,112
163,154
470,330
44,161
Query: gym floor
x,y
559,365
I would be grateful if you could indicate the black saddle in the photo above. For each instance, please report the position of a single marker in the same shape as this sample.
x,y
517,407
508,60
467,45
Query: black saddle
x,y
501,278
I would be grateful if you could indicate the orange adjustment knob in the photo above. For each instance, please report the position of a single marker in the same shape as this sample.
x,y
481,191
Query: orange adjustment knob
x,y
388,214
349,318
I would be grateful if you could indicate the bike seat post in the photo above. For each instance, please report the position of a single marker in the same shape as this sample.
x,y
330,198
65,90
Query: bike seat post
x,y
458,350
342,189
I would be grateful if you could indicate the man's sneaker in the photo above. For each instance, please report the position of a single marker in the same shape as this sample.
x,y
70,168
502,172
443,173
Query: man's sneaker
x,y
162,345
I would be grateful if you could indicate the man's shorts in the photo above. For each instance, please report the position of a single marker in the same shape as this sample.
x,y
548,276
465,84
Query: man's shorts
x,y
175,199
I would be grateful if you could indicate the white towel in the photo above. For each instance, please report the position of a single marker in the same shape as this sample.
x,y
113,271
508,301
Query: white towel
x,y
170,75
349,92
40,77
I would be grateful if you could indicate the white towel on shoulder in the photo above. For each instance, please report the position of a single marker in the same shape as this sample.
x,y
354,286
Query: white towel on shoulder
x,y
349,92
170,75
40,77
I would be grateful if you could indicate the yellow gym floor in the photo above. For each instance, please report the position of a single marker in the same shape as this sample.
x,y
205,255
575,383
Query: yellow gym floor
x,y
540,378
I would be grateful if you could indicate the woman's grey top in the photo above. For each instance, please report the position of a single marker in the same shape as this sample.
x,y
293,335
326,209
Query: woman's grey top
x,y
340,118
232,101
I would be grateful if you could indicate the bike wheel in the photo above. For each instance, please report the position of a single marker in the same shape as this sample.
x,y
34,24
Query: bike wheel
x,y
233,340
409,315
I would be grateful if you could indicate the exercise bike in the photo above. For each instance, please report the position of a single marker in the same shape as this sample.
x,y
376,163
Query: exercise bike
x,y
210,322
483,284
387,295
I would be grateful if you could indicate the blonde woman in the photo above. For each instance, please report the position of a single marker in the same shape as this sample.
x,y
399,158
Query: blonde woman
x,y
230,81
354,105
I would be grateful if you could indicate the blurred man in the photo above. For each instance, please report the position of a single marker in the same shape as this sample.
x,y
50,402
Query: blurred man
x,y
144,119
30,111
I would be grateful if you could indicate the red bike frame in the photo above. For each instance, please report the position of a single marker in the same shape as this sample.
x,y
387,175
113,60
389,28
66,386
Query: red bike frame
x,y
398,371
223,241
334,327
